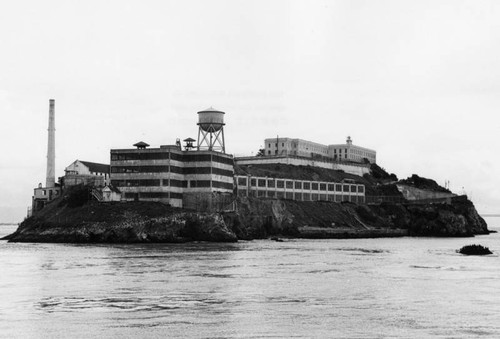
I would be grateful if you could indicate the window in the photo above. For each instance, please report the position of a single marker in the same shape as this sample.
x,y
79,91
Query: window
x,y
322,187
270,183
307,186
314,186
261,182
280,184
298,185
253,182
242,181
289,184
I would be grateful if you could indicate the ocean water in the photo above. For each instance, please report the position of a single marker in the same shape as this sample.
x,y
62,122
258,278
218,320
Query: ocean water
x,y
352,288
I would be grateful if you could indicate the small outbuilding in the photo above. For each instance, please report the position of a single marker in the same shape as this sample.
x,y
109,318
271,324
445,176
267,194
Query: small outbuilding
x,y
111,193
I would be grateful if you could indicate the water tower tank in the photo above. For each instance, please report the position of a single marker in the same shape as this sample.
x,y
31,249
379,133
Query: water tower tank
x,y
211,120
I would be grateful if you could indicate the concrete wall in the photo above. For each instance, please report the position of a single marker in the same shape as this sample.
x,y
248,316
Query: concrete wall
x,y
356,169
411,193
78,173
43,195
85,179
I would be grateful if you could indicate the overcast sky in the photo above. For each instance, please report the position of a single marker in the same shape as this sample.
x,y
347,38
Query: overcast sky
x,y
418,81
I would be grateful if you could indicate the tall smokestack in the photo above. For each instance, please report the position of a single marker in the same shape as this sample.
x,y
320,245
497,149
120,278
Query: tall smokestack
x,y
51,147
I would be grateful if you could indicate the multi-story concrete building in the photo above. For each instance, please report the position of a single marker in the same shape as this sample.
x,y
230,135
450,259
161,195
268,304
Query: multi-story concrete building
x,y
350,152
198,178
168,174
309,149
302,190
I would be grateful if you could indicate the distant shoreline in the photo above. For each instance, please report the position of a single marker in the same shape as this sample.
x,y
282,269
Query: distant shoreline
x,y
490,215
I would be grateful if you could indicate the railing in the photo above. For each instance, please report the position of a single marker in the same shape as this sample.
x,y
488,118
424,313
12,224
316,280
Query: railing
x,y
374,200
96,194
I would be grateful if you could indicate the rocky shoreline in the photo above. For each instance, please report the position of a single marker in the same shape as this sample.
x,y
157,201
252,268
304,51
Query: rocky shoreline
x,y
147,222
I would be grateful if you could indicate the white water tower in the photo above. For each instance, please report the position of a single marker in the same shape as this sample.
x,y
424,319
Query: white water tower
x,y
211,130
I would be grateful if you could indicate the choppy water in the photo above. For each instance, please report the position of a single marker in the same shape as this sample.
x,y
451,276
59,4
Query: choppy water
x,y
353,288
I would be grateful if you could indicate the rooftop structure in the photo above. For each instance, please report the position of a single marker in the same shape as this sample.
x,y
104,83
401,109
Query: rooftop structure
x,y
141,145
211,130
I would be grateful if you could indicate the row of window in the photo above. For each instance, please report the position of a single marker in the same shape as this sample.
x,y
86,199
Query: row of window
x,y
304,196
153,195
185,157
172,169
300,185
172,183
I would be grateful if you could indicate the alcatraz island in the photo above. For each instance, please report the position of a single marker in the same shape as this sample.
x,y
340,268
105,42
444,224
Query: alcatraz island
x,y
197,192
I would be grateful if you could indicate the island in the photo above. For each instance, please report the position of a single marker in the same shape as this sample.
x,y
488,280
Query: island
x,y
75,217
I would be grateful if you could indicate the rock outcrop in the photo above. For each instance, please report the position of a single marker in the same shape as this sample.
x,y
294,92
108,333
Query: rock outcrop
x,y
73,218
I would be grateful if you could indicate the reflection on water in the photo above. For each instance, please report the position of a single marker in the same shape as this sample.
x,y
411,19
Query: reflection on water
x,y
394,287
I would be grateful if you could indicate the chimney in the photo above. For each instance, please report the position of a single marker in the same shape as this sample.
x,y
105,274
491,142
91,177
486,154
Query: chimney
x,y
51,147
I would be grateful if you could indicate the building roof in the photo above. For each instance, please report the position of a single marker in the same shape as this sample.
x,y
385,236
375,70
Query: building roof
x,y
95,167
141,144
210,109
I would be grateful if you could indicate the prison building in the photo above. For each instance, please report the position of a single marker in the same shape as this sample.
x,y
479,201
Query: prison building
x,y
86,173
347,152
181,178
301,190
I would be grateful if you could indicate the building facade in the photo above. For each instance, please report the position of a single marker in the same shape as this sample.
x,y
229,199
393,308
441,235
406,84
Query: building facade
x,y
87,173
190,179
42,196
301,190
309,149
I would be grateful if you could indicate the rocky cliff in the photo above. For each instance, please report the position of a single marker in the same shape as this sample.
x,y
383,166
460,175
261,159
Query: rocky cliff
x,y
255,218
73,218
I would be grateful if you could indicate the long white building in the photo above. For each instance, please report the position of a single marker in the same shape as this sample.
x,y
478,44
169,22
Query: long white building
x,y
309,149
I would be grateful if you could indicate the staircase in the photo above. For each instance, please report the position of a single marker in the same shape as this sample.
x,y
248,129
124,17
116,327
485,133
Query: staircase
x,y
96,194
